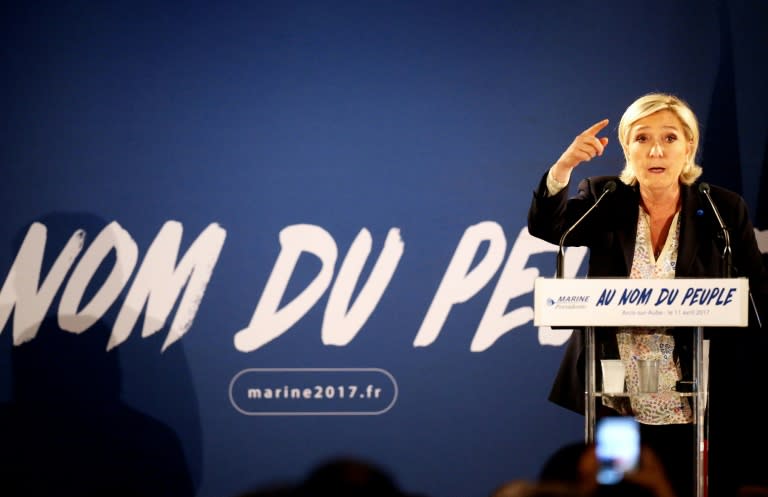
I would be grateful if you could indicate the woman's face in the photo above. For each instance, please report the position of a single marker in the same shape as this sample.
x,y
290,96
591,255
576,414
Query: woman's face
x,y
658,150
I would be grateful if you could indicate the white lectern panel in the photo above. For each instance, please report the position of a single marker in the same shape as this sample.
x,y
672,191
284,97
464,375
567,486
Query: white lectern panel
x,y
641,302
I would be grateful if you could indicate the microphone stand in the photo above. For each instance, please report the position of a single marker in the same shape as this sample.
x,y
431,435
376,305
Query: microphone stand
x,y
727,253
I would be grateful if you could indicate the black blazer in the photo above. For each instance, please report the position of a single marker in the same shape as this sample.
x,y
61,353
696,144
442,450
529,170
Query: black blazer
x,y
610,231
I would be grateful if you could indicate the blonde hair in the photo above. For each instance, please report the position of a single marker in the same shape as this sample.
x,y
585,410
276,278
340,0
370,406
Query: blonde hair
x,y
651,104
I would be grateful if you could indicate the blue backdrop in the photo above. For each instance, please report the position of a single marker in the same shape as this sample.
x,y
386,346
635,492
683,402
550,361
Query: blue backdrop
x,y
211,206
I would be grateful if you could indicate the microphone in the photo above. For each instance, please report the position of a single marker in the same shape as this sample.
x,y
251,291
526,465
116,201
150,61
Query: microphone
x,y
727,253
609,187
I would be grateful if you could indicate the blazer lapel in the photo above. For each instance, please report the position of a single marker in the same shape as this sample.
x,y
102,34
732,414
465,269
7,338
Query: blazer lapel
x,y
692,210
627,231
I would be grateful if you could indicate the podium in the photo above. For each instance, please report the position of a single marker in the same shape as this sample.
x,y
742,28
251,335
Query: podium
x,y
691,303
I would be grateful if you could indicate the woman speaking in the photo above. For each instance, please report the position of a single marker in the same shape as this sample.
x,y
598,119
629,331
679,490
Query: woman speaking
x,y
657,222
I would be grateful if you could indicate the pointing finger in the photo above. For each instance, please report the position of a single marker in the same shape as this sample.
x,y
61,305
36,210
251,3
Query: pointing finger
x,y
595,128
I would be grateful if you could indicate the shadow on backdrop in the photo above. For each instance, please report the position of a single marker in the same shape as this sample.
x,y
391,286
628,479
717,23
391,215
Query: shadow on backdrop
x,y
66,431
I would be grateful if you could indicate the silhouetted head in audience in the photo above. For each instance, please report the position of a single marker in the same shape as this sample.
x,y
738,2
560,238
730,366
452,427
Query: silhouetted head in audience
x,y
565,464
525,488
348,477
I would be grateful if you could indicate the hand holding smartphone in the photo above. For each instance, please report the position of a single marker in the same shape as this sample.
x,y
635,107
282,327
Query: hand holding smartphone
x,y
617,448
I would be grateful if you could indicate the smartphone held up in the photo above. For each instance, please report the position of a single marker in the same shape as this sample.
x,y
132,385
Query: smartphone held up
x,y
617,448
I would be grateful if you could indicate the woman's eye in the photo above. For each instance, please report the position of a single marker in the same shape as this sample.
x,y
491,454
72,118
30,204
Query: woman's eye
x,y
640,138
671,138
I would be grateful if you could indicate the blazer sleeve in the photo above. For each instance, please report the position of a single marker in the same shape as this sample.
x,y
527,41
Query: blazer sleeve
x,y
748,261
550,216
545,215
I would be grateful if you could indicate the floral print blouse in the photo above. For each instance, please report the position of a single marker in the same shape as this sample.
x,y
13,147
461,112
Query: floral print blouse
x,y
665,406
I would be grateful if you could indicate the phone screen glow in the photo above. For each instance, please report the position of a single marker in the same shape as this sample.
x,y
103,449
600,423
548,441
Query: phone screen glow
x,y
617,448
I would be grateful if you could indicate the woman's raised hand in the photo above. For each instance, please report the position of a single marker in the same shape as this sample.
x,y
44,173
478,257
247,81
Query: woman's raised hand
x,y
586,146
